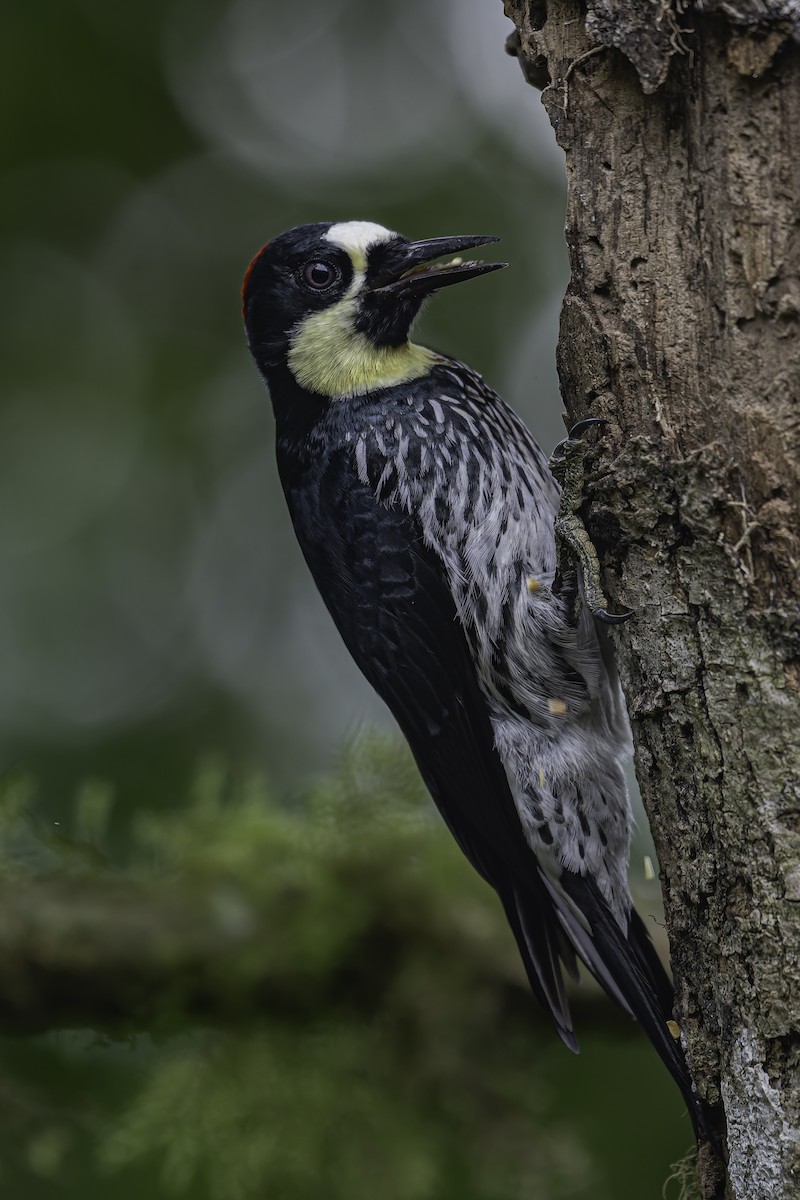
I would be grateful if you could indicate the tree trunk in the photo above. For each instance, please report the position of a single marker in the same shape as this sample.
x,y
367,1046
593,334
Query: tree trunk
x,y
681,325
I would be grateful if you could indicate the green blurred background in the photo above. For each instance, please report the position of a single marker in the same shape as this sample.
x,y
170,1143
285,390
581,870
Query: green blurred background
x,y
154,609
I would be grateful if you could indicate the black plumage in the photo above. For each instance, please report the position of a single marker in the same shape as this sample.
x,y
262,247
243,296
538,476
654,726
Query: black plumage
x,y
425,512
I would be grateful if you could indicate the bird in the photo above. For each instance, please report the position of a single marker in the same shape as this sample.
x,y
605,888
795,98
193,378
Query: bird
x,y
428,515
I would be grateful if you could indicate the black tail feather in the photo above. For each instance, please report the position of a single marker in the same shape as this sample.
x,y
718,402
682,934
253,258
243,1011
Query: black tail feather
x,y
628,967
538,941
642,980
642,943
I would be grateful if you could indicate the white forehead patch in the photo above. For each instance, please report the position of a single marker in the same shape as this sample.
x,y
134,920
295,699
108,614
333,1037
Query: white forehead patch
x,y
358,237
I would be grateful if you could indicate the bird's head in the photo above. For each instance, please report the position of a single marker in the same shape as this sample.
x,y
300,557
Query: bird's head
x,y
335,302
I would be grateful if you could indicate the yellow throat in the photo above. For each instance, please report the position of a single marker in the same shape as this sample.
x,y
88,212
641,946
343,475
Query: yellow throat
x,y
328,356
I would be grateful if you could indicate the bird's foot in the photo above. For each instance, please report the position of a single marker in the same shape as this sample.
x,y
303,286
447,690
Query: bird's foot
x,y
573,544
571,445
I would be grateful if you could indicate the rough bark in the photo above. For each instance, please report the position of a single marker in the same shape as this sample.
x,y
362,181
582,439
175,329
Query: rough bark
x,y
681,325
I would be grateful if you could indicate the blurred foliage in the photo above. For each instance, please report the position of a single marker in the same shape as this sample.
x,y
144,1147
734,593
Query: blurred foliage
x,y
430,1074
155,610
348,1112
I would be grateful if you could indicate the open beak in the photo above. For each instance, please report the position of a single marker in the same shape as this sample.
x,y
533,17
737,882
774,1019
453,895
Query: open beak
x,y
413,272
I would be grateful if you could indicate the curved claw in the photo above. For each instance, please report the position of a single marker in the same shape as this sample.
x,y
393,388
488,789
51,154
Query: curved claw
x,y
575,434
581,427
602,614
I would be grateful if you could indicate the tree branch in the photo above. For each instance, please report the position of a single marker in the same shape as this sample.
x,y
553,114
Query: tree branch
x,y
111,955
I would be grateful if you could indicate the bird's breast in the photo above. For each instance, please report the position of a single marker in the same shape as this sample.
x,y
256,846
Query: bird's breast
x,y
480,501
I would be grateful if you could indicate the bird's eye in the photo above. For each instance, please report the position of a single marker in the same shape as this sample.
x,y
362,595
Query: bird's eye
x,y
320,275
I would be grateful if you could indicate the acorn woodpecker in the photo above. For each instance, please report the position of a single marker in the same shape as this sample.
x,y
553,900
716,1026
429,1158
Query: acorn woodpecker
x,y
427,515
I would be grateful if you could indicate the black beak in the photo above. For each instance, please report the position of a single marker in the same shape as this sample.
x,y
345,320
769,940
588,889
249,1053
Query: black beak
x,y
411,272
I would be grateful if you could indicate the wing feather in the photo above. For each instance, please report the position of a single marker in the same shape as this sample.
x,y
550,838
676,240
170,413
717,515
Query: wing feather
x,y
388,595
387,592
